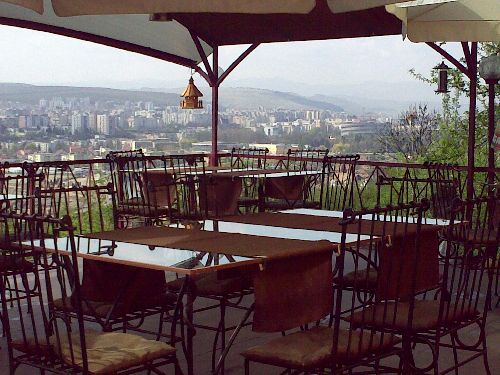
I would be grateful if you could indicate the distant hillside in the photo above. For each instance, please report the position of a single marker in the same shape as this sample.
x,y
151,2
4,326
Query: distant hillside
x,y
254,98
235,98
31,94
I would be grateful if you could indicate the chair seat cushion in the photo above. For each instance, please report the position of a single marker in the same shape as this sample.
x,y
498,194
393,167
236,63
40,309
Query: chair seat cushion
x,y
142,210
11,263
248,201
102,309
210,285
425,315
282,204
107,352
313,349
362,279
110,352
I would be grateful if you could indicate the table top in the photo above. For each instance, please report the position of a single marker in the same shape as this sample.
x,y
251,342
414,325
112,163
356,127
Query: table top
x,y
186,251
280,232
180,261
254,173
339,214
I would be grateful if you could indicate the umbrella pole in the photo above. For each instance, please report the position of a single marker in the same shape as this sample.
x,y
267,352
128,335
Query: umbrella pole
x,y
214,80
491,135
215,106
471,59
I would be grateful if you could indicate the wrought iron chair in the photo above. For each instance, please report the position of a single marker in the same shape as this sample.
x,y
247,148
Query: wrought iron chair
x,y
197,200
41,336
347,344
139,196
445,185
304,191
249,159
116,296
18,188
17,194
185,178
466,274
339,182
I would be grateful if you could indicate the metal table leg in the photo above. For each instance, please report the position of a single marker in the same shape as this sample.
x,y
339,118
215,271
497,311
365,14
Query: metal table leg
x,y
190,297
241,324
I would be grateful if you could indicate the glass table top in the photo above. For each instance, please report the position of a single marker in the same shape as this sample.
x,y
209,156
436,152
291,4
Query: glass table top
x,y
278,232
160,258
339,214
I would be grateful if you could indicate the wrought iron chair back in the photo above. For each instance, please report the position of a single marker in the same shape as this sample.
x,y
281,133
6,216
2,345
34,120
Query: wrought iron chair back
x,y
135,198
18,188
249,158
339,182
186,176
389,248
350,341
28,322
91,208
306,159
445,185
56,339
472,252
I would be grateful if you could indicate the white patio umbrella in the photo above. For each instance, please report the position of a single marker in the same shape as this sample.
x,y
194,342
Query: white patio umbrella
x,y
342,6
66,8
169,41
449,20
36,5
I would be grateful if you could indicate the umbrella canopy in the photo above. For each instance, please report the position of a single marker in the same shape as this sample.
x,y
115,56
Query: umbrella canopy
x,y
94,7
341,6
36,5
168,41
449,20
126,24
82,7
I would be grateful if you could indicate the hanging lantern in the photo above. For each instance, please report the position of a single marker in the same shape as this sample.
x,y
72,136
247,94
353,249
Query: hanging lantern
x,y
191,95
442,78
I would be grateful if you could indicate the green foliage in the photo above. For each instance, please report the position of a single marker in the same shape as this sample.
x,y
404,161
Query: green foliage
x,y
450,145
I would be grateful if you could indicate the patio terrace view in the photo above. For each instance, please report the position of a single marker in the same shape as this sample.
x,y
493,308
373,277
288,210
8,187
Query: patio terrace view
x,y
244,262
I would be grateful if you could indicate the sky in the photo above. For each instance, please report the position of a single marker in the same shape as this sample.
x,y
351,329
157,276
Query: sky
x,y
44,59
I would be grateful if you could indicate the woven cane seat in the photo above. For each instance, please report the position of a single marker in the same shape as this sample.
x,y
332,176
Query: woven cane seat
x,y
248,201
313,349
107,352
282,204
142,210
10,263
425,315
110,352
102,309
210,285
363,279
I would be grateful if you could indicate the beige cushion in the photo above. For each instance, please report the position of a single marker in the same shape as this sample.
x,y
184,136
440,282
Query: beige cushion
x,y
313,349
139,209
15,263
109,352
102,309
360,279
425,315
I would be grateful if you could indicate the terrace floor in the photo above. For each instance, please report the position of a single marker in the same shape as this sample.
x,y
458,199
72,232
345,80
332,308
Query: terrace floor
x,y
234,362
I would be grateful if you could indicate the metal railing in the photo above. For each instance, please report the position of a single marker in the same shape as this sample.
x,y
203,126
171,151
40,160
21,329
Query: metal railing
x,y
375,183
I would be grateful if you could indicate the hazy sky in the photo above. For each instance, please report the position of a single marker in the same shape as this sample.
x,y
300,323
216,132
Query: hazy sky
x,y
41,58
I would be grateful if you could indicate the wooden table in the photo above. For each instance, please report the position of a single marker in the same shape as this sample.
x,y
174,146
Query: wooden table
x,y
183,252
